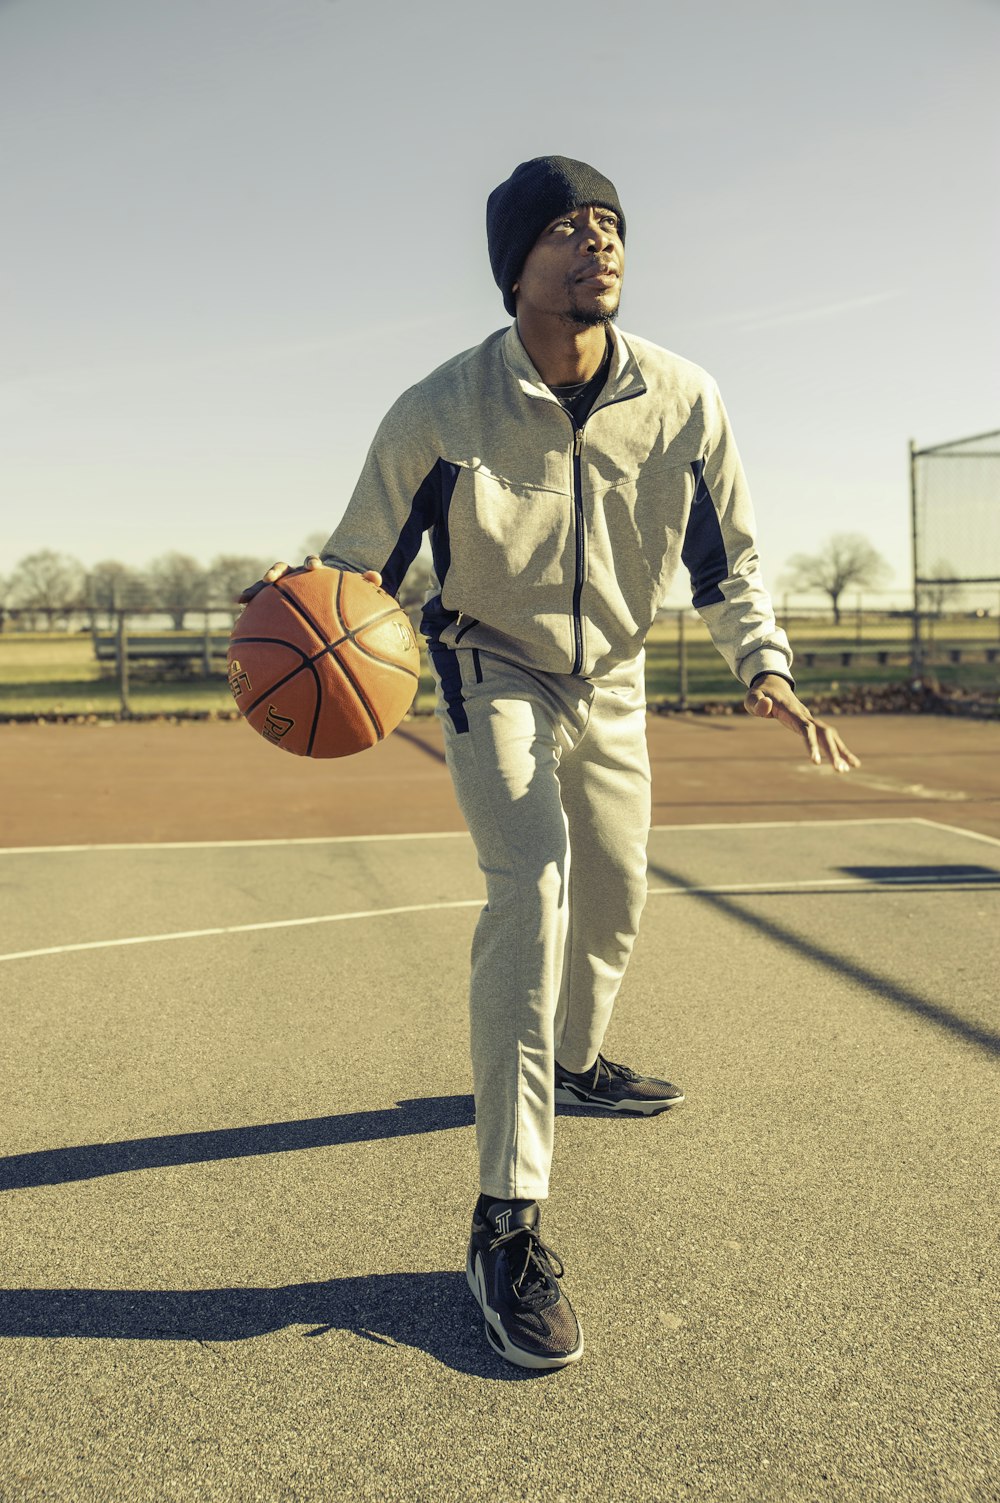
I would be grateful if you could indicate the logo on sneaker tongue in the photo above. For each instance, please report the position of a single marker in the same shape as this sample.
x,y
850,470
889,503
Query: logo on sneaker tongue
x,y
502,1222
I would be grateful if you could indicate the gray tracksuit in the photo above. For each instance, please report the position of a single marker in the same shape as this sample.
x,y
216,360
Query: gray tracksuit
x,y
553,548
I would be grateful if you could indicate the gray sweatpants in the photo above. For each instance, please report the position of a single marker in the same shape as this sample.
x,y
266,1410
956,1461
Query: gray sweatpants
x,y
552,776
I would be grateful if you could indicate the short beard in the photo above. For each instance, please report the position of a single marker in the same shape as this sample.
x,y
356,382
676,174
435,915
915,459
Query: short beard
x,y
592,320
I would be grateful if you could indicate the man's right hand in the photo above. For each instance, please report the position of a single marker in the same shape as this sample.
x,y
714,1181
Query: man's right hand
x,y
313,561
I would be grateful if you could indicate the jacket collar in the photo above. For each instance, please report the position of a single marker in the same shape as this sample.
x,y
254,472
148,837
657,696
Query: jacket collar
x,y
625,379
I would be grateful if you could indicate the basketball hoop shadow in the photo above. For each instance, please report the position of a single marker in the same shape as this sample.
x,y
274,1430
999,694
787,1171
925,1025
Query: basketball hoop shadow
x,y
60,1166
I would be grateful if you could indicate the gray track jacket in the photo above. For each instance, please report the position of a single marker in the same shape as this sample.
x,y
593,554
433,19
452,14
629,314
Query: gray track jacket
x,y
553,546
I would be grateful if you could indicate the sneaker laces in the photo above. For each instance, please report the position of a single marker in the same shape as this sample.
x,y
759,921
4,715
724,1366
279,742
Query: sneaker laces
x,y
622,1071
533,1285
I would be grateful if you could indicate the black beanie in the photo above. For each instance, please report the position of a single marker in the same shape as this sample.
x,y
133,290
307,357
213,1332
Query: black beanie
x,y
536,193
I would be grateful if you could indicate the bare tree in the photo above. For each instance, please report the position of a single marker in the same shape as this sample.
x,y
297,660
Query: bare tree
x,y
178,584
230,573
48,584
846,558
936,595
113,586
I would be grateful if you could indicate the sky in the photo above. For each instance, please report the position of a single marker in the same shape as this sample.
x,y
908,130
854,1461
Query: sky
x,y
236,230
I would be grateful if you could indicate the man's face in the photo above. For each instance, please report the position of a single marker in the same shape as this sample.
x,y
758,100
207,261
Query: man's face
x,y
574,269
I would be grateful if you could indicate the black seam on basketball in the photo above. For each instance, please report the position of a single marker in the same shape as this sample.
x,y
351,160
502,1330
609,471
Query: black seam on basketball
x,y
380,733
329,648
319,706
391,610
301,610
385,662
273,688
348,631
350,635
336,604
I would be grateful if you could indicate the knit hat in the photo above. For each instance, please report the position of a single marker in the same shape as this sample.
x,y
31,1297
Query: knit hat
x,y
536,193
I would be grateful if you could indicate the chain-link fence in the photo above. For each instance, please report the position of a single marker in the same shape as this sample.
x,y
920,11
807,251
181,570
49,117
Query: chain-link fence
x,y
955,500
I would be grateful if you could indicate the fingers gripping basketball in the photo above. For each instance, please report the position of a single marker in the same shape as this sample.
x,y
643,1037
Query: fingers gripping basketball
x,y
323,663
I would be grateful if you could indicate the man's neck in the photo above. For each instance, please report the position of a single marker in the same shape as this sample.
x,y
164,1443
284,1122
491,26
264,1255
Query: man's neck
x,y
563,353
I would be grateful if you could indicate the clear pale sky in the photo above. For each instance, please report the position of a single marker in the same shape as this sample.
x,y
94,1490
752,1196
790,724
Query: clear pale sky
x,y
235,230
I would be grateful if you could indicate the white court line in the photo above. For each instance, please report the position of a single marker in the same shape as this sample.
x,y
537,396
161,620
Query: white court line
x,y
937,824
776,887
892,785
323,918
214,845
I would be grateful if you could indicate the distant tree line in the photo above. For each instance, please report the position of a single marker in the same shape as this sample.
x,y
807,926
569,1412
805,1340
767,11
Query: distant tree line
x,y
51,590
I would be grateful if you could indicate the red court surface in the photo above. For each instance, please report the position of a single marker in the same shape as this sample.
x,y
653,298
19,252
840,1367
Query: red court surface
x,y
95,784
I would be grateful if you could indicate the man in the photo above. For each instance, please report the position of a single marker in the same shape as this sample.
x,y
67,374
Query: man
x,y
563,470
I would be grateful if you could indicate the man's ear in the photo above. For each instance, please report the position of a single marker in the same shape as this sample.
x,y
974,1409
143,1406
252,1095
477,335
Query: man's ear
x,y
516,287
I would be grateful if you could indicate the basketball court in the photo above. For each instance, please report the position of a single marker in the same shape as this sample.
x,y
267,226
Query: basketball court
x,y
240,1162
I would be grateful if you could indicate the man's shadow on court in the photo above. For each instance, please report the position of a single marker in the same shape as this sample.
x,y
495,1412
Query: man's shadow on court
x,y
433,1312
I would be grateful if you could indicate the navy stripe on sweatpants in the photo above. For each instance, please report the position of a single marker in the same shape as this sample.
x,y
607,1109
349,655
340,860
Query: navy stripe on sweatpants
x,y
448,671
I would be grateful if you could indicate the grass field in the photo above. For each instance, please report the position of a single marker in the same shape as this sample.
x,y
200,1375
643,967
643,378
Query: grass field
x,y
46,674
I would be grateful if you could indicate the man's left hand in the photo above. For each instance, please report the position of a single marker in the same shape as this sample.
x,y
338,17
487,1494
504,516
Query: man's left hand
x,y
773,698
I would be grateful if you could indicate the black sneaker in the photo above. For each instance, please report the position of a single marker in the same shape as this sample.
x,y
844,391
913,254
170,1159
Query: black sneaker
x,y
513,1276
615,1088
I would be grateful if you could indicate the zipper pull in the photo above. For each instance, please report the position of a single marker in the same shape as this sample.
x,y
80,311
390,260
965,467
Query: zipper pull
x,y
578,442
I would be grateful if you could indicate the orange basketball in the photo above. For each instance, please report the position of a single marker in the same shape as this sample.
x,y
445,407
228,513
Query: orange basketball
x,y
323,663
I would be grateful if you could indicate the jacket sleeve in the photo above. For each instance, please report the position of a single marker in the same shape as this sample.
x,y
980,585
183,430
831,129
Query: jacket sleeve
x,y
396,499
720,553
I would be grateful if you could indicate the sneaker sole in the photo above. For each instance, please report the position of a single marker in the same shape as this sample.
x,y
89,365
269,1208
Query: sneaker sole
x,y
497,1336
567,1096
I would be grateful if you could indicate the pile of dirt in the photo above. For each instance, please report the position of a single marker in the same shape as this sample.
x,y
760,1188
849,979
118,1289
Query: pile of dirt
x,y
110,717
923,698
926,697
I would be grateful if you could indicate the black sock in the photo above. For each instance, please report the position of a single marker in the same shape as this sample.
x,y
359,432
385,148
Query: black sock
x,y
580,1074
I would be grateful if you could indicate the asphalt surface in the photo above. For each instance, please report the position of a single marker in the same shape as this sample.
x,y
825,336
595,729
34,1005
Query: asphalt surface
x,y
238,1167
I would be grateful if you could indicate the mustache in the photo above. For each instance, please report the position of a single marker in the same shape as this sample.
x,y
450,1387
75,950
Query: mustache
x,y
600,265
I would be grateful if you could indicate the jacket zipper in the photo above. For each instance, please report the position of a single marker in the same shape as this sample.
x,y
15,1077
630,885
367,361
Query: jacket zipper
x,y
581,550
581,533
